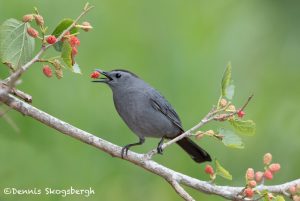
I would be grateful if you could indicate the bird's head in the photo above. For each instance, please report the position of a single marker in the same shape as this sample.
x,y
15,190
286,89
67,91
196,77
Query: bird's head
x,y
117,78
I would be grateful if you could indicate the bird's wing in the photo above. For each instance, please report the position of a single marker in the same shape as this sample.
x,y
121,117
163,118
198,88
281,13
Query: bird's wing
x,y
159,103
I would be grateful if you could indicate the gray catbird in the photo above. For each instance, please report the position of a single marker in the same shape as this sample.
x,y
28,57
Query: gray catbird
x,y
147,113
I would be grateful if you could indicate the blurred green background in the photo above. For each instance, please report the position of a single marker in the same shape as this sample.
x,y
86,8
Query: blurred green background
x,y
181,48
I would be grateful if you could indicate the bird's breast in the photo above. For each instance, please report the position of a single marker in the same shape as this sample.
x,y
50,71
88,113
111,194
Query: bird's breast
x,y
135,108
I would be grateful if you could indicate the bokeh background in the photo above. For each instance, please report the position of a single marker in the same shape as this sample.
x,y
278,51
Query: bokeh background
x,y
181,48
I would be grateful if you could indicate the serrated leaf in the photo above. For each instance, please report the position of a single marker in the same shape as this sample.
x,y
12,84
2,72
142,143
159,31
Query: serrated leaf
x,y
247,127
221,171
279,198
66,53
76,68
16,46
230,139
227,87
63,25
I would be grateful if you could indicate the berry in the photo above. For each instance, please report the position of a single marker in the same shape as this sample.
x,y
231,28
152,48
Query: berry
x,y
209,169
252,183
210,132
268,175
293,190
95,74
51,39
87,26
296,198
65,36
27,18
231,108
250,174
241,113
249,192
74,41
32,32
199,135
39,20
47,71
74,51
259,176
267,158
274,167
223,102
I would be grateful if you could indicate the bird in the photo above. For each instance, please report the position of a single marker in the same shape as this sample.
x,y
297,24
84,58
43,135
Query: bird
x,y
147,113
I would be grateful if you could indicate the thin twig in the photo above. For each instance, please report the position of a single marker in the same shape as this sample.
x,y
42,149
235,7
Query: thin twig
x,y
212,115
20,94
180,191
247,102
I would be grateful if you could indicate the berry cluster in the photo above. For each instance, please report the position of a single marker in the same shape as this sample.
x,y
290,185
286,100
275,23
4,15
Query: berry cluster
x,y
51,39
252,177
223,103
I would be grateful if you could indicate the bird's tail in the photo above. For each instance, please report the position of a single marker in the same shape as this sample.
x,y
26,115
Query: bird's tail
x,y
198,154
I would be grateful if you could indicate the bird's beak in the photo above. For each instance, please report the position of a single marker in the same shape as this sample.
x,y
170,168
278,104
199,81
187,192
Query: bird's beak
x,y
106,79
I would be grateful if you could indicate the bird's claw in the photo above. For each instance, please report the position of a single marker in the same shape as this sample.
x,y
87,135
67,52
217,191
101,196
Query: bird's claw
x,y
124,151
159,150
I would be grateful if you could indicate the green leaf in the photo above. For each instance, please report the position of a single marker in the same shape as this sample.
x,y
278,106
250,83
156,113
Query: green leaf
x,y
230,91
63,25
221,171
279,198
230,139
16,46
227,86
66,53
76,68
246,127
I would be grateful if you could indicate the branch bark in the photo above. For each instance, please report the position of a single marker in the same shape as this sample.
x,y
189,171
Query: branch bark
x,y
141,160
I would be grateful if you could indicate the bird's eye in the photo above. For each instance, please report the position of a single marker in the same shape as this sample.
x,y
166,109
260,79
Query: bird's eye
x,y
118,75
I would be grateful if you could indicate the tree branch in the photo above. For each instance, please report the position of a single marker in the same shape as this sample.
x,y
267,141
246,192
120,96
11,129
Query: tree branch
x,y
141,160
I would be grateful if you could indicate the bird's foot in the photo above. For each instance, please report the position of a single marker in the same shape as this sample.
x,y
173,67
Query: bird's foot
x,y
159,149
124,150
159,146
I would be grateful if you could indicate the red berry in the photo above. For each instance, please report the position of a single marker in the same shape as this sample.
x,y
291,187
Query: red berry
x,y
74,41
249,192
51,39
47,71
95,74
32,32
74,51
27,18
250,174
209,169
259,176
268,175
241,113
274,167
